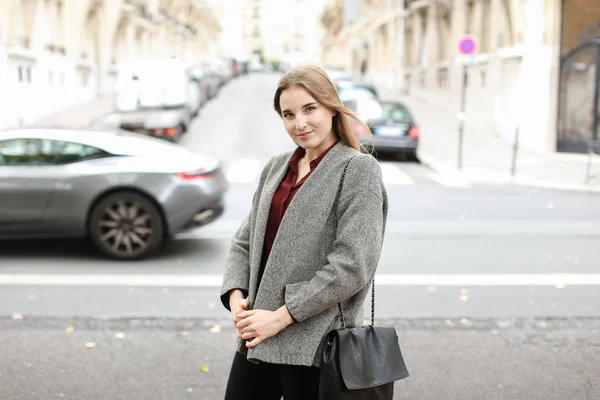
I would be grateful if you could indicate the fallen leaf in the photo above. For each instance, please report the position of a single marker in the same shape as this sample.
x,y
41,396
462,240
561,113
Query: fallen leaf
x,y
449,323
192,302
70,329
431,289
215,328
205,368
561,286
465,321
464,297
184,333
90,345
165,290
550,205
17,316
120,335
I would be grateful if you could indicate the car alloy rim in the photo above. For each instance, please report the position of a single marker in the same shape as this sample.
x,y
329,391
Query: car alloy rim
x,y
126,228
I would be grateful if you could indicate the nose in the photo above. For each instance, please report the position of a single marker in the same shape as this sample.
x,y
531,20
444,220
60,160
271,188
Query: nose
x,y
300,122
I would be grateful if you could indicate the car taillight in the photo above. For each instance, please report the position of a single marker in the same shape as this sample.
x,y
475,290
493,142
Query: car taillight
x,y
170,131
196,174
360,129
413,133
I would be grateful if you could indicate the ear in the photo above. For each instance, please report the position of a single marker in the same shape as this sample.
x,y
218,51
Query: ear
x,y
333,113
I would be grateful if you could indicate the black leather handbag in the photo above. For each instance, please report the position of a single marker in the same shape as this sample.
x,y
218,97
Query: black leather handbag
x,y
360,363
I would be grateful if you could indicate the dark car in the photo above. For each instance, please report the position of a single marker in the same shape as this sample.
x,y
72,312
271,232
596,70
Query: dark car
x,y
393,128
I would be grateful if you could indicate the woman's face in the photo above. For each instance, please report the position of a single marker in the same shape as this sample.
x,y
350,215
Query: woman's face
x,y
306,121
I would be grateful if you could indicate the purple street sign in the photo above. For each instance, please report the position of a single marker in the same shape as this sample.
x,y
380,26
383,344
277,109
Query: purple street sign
x,y
467,45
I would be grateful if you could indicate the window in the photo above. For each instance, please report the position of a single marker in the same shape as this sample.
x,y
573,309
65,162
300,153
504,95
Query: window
x,y
69,152
396,111
21,152
45,152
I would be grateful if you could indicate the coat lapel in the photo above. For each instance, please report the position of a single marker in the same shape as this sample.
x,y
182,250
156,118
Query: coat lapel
x,y
262,216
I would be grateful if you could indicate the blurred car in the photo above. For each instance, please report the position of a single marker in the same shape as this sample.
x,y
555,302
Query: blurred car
x,y
126,192
208,81
345,85
220,67
393,128
156,97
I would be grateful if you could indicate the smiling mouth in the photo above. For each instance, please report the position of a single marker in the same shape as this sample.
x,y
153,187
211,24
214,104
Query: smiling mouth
x,y
304,133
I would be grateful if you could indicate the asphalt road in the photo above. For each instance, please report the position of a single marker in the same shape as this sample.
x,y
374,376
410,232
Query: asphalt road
x,y
494,290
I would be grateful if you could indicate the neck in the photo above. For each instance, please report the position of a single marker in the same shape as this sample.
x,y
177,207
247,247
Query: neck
x,y
311,154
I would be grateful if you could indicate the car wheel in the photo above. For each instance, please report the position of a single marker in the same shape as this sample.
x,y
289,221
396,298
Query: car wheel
x,y
126,226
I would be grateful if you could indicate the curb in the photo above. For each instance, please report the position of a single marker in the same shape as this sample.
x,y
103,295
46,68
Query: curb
x,y
490,177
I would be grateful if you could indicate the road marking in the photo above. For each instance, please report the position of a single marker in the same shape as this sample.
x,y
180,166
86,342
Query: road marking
x,y
393,175
383,279
243,171
225,229
448,179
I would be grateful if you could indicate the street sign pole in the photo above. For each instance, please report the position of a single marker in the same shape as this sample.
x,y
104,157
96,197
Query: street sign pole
x,y
461,116
467,47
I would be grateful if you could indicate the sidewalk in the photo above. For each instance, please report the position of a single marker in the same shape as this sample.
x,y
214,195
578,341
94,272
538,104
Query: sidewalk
x,y
80,115
488,158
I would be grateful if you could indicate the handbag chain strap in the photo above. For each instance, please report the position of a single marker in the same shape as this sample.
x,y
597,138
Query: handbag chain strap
x,y
339,194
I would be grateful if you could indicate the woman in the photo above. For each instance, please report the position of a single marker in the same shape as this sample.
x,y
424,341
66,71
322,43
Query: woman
x,y
302,250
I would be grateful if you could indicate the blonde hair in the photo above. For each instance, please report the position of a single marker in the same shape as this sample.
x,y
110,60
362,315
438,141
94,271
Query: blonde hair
x,y
316,82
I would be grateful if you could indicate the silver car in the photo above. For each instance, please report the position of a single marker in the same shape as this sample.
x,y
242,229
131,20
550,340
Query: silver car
x,y
126,192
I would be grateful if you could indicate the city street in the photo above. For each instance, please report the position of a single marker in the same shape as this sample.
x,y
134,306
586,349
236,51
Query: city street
x,y
493,289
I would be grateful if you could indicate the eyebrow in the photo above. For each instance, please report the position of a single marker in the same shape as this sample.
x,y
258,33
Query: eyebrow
x,y
314,103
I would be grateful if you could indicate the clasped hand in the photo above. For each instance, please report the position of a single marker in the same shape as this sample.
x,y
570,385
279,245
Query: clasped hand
x,y
255,326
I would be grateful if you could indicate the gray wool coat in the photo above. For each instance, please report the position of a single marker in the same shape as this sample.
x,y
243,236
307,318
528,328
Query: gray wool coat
x,y
314,263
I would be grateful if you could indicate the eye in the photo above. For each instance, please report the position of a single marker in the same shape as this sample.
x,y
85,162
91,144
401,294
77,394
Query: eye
x,y
288,115
310,108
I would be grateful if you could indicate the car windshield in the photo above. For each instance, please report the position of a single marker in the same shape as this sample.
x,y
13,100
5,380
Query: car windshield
x,y
395,111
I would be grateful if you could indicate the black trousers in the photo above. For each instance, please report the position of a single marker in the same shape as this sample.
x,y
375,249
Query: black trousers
x,y
249,381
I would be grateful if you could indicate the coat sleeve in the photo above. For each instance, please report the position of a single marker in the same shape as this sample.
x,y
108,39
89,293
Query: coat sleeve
x,y
237,266
361,213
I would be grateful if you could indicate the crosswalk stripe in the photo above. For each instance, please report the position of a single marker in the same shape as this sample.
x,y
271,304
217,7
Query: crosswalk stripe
x,y
450,180
394,175
247,170
243,171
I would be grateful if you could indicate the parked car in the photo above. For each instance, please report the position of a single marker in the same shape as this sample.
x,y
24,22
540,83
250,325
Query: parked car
x,y
156,97
208,81
126,192
393,128
344,86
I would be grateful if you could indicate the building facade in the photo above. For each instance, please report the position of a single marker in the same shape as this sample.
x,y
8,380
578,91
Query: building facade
x,y
277,29
535,68
56,53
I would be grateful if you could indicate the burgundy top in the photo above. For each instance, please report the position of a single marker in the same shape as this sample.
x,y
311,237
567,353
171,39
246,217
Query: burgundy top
x,y
283,197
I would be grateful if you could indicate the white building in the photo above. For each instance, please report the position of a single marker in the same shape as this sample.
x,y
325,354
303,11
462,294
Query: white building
x,y
56,53
280,27
537,65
